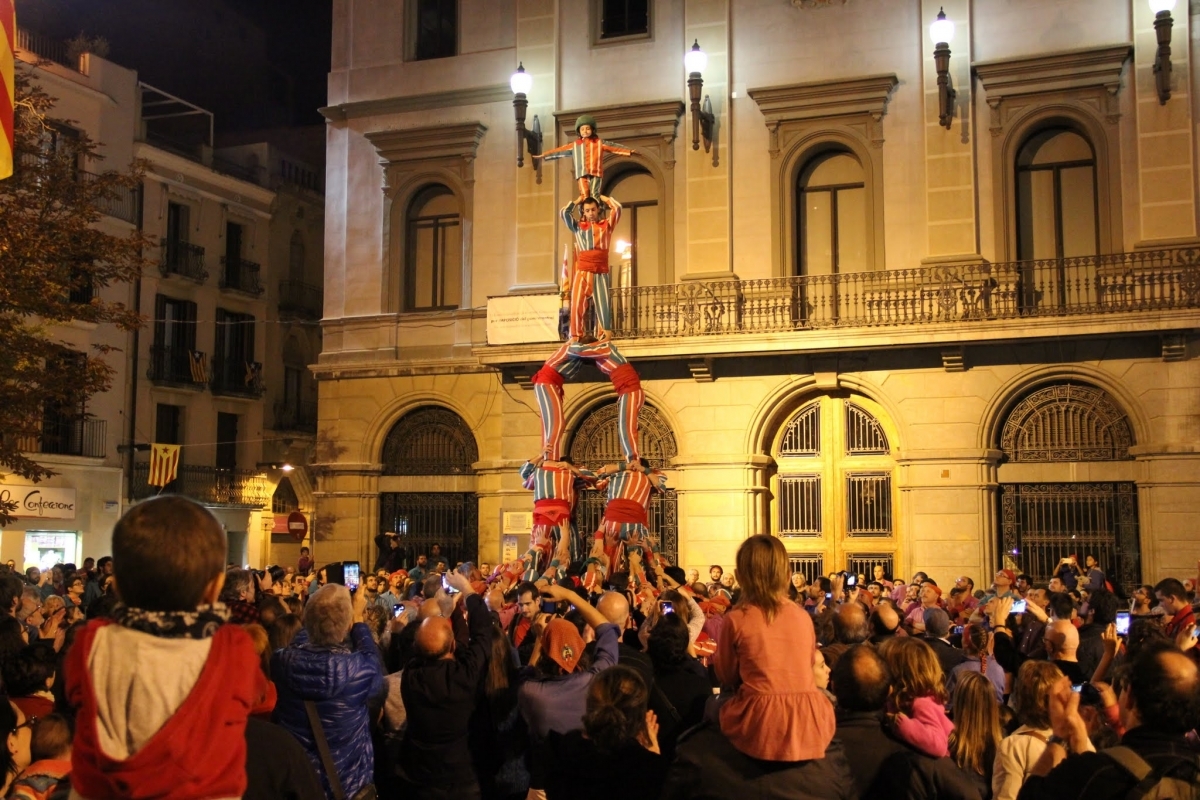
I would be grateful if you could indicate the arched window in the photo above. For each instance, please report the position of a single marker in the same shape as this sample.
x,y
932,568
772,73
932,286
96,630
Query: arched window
x,y
1046,512
296,257
1056,196
831,215
430,441
434,253
637,191
284,501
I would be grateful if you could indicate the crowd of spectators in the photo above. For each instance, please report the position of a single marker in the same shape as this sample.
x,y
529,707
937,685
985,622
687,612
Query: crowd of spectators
x,y
163,672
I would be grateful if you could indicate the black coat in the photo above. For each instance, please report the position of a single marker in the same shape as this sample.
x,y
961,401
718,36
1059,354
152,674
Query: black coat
x,y
1096,776
948,655
708,767
576,770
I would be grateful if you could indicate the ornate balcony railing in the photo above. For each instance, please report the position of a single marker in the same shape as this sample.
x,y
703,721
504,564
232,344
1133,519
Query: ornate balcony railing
x,y
296,415
183,258
243,378
68,436
241,275
1118,283
176,366
300,299
211,485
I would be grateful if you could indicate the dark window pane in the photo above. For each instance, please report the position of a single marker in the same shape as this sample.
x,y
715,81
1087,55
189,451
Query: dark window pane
x,y
624,18
437,28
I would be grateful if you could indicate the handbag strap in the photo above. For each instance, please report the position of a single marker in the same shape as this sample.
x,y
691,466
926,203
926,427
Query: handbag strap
x,y
314,720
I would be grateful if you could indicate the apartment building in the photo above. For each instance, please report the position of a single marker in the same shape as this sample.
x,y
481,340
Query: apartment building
x,y
930,303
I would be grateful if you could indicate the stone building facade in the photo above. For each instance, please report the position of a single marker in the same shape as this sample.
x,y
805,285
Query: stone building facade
x,y
949,347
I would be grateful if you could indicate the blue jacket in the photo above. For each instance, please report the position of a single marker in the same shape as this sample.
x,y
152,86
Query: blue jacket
x,y
341,681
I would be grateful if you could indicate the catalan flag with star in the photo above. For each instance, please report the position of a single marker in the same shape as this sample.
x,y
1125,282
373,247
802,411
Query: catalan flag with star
x,y
8,47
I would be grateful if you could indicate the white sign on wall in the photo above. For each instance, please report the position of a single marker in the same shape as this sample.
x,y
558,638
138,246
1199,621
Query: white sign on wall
x,y
40,502
519,319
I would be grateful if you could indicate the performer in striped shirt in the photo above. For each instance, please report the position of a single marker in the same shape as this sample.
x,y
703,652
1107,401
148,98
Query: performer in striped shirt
x,y
555,486
623,534
590,279
587,154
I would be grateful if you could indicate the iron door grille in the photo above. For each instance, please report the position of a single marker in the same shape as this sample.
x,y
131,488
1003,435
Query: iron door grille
x,y
1043,523
800,505
422,519
811,566
869,504
864,564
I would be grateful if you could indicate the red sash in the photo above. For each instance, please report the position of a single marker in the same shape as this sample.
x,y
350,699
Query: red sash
x,y
550,376
592,261
625,379
550,511
619,510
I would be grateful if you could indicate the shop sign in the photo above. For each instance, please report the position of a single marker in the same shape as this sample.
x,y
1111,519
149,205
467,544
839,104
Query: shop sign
x,y
38,502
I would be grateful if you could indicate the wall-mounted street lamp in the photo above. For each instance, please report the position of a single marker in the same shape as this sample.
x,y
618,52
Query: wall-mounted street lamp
x,y
521,83
702,116
1162,59
942,32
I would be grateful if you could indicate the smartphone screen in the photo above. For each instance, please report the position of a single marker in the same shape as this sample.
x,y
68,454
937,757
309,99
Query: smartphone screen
x,y
397,609
1077,687
350,575
1123,623
1018,607
446,585
851,580
668,608
549,606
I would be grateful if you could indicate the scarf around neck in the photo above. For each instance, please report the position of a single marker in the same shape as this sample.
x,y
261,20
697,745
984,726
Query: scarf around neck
x,y
199,624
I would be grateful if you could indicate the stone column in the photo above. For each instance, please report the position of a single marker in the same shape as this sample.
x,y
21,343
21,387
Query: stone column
x,y
1168,509
721,502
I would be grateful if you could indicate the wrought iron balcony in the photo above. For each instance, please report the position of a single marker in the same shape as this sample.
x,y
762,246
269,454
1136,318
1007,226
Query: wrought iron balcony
x,y
184,259
1109,284
241,275
68,436
296,415
176,366
300,299
123,205
210,485
236,377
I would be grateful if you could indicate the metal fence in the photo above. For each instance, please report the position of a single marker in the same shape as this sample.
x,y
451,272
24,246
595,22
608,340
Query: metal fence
x,y
423,519
302,299
231,487
177,365
241,275
183,258
44,47
66,436
1122,282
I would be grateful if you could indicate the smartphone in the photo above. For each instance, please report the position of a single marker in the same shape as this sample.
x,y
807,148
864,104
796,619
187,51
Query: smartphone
x,y
350,575
667,607
1019,607
829,595
957,630
549,606
851,580
446,585
1077,687
1123,623
397,610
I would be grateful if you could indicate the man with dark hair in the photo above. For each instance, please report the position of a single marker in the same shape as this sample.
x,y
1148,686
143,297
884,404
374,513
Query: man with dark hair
x,y
389,556
714,578
11,589
1158,707
1062,606
1102,611
520,630
1174,600
436,559
937,636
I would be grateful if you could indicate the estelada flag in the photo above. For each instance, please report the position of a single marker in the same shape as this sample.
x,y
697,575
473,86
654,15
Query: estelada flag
x,y
164,464
8,47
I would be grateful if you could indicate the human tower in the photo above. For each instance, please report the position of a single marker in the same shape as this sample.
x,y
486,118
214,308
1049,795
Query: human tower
x,y
622,541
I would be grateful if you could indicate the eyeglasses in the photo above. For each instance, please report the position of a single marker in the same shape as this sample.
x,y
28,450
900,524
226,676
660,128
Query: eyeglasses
x,y
28,723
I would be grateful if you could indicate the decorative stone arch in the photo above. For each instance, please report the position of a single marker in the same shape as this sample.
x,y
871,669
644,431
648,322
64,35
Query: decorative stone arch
x,y
1077,90
387,418
803,120
1066,421
429,440
413,160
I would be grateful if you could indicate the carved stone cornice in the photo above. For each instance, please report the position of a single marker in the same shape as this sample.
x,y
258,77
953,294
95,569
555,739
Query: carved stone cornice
x,y
1069,71
478,95
820,100
633,122
426,144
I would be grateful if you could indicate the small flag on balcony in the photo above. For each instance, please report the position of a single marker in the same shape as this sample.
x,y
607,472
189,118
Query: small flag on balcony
x,y
253,374
164,464
8,48
198,363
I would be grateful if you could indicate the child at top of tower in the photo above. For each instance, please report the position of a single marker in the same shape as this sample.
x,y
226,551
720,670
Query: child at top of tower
x,y
587,152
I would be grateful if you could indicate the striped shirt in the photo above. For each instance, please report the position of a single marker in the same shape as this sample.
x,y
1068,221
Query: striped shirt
x,y
592,235
587,155
552,483
633,484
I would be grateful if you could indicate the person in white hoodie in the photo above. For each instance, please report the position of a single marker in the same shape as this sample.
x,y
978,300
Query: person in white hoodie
x,y
1019,751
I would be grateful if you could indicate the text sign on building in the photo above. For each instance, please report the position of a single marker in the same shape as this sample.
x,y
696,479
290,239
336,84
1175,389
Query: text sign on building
x,y
40,502
523,318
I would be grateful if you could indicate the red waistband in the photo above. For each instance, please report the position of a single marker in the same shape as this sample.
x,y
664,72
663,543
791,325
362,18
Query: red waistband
x,y
619,510
625,379
550,511
592,261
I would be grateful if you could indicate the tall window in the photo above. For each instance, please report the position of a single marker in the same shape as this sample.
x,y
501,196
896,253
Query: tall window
x,y
173,357
433,268
832,215
227,440
433,28
639,226
1056,196
234,367
623,18
296,257
177,223
168,424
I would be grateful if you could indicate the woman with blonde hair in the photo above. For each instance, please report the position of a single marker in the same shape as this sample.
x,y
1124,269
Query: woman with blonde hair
x,y
918,695
1017,753
764,661
976,734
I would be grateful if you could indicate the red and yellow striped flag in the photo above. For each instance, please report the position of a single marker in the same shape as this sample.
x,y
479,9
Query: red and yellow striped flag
x,y
8,47
164,464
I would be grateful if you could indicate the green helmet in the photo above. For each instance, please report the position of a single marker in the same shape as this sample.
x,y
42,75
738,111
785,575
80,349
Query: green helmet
x,y
586,119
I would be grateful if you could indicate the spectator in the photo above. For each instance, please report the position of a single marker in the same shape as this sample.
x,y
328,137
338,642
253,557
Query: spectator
x,y
318,668
11,590
615,608
16,757
976,732
1093,574
1023,584
860,681
1068,573
1032,628
50,755
1002,585
29,613
1143,601
681,683
918,694
276,765
166,655
1158,706
1173,599
29,678
390,556
764,660
977,645
715,573
937,636
421,571
1062,645
520,630
617,752
930,597
283,631
1018,752
499,739
885,623
436,559
850,624
305,563
1102,612
238,596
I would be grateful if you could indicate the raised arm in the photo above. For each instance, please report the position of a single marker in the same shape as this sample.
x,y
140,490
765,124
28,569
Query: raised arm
x,y
562,151
568,217
614,211
615,148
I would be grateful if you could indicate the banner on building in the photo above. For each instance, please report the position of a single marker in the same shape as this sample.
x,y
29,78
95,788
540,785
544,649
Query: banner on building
x,y
39,502
520,319
164,464
8,63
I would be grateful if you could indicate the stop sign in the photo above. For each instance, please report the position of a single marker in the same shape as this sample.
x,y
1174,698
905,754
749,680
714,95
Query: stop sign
x,y
297,525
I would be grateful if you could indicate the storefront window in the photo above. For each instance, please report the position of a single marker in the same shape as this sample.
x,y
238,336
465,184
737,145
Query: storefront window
x,y
44,549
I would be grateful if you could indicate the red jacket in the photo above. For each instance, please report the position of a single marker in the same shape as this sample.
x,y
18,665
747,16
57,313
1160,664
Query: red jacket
x,y
201,750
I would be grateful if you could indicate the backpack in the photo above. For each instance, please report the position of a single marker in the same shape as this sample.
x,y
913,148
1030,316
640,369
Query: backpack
x,y
1161,785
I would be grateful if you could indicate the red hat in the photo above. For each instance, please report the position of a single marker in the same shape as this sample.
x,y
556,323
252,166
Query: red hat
x,y
400,573
563,644
1012,576
936,589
